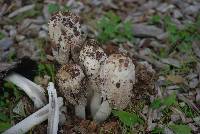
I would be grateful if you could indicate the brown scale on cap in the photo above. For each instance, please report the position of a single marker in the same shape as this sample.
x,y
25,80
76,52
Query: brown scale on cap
x,y
66,32
71,82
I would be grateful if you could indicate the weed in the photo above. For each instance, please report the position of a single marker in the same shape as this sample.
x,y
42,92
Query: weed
x,y
128,119
111,27
157,130
180,129
167,101
45,68
189,112
155,20
52,8
1,35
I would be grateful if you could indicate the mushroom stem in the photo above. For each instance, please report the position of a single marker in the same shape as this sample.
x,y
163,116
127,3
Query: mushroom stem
x,y
32,120
103,113
95,103
80,111
34,91
53,117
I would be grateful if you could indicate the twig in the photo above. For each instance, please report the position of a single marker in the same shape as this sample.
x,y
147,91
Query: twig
x,y
190,103
32,120
21,10
34,91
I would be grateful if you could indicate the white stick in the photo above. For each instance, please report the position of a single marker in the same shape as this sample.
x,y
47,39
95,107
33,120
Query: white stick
x,y
103,113
32,120
34,91
53,117
80,111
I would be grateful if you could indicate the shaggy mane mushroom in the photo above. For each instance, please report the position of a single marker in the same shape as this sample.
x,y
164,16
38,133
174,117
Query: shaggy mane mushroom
x,y
70,80
67,35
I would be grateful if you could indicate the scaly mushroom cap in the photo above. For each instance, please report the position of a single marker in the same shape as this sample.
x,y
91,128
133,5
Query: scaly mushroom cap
x,y
91,58
70,80
67,35
117,77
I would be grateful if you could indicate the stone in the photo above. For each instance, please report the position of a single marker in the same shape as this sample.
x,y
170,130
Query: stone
x,y
193,83
142,30
6,43
177,14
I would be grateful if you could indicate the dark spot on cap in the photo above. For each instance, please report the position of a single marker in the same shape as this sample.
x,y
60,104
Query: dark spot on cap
x,y
117,85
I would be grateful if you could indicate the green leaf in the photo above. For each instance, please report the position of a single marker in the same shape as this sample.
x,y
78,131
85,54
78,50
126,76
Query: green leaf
x,y
156,104
157,131
1,35
4,126
3,117
53,8
129,119
181,129
170,100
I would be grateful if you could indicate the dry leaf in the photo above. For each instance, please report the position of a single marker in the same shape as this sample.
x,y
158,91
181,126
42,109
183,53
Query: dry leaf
x,y
176,79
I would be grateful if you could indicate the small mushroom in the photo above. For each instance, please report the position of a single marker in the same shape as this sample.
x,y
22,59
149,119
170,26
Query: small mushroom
x,y
70,80
117,77
91,59
67,35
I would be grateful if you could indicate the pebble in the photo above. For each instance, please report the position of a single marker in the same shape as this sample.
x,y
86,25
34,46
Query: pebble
x,y
6,43
175,117
43,34
192,10
12,32
197,120
164,7
177,14
142,30
193,83
19,37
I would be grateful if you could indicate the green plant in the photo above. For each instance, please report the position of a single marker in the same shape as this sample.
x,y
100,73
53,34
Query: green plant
x,y
180,129
155,20
189,112
52,8
157,130
167,101
1,35
47,69
128,119
44,68
111,27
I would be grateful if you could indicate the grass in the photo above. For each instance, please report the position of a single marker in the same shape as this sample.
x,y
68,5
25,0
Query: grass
x,y
52,8
1,35
7,104
111,27
128,120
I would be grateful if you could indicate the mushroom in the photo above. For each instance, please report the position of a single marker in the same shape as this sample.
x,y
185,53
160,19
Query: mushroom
x,y
91,58
70,79
67,35
117,77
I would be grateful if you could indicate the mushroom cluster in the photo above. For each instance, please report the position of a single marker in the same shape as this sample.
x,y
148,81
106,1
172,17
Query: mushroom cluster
x,y
109,79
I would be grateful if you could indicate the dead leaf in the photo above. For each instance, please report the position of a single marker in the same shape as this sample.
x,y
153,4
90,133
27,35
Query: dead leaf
x,y
176,79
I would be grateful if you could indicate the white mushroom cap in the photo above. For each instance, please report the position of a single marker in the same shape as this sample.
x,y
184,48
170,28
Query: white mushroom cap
x,y
117,77
67,35
70,80
91,58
